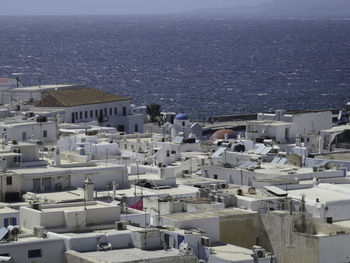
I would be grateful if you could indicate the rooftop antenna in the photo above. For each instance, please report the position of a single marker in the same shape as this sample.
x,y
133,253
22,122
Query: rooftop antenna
x,y
144,208
17,78
39,78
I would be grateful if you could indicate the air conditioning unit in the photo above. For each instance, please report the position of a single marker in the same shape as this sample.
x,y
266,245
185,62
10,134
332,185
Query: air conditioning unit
x,y
39,231
213,186
259,252
205,241
120,225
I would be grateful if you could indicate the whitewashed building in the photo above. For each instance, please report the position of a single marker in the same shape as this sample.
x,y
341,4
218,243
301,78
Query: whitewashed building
x,y
83,105
182,126
284,127
44,131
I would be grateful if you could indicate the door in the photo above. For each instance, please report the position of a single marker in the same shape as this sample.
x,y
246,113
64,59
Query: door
x,y
73,117
100,117
47,184
36,185
180,239
286,135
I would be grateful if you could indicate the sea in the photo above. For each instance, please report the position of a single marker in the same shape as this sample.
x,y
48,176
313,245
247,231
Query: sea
x,y
203,66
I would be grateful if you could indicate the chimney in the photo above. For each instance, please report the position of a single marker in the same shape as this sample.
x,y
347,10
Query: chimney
x,y
88,190
57,160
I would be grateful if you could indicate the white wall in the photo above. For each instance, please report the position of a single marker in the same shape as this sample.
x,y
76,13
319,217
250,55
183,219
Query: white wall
x,y
312,122
334,248
128,121
29,217
102,215
211,225
52,250
32,130
3,216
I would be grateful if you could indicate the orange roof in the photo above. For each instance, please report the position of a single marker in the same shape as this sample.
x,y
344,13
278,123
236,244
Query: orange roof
x,y
76,97
220,134
5,80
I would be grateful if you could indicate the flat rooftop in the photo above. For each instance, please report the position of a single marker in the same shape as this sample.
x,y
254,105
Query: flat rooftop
x,y
75,207
140,139
50,170
323,193
7,210
174,191
195,179
231,253
133,255
207,214
345,223
111,231
57,197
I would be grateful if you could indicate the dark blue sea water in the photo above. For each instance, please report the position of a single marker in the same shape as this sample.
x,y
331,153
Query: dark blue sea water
x,y
202,66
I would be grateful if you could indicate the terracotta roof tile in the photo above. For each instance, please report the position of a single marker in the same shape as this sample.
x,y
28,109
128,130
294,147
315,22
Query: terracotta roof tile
x,y
76,97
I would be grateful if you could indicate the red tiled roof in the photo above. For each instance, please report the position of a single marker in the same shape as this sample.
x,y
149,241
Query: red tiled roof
x,y
76,97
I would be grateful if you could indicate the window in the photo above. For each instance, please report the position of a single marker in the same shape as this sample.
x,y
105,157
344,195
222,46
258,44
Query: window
x,y
124,111
167,153
73,117
91,114
105,111
81,115
17,159
115,111
166,239
35,253
76,115
24,136
110,111
125,146
136,128
10,221
8,180
86,114
100,117
215,176
120,128
96,113
45,133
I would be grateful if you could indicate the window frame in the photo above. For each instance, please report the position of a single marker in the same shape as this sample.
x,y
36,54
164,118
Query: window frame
x,y
33,253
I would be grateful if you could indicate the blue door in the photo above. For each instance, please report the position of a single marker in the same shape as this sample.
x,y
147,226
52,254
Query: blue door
x,y
180,239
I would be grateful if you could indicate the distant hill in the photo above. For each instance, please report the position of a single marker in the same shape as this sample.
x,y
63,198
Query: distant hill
x,y
287,8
